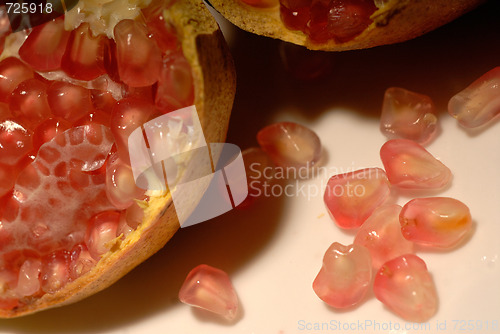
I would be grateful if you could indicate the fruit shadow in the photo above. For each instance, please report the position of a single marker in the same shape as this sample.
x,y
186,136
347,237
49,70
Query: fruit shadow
x,y
227,242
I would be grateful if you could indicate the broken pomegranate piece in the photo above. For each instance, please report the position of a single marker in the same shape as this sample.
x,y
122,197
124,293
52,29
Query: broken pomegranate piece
x,y
211,289
408,115
345,277
290,145
435,221
352,197
381,235
405,286
479,103
409,165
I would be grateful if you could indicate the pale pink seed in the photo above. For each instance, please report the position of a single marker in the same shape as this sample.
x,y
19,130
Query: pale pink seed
x,y
381,235
80,261
55,271
345,276
435,221
409,165
479,103
101,230
405,286
211,289
352,197
408,115
28,282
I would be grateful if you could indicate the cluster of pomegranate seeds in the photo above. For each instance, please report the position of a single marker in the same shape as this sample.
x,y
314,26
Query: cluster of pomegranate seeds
x,y
345,277
210,289
406,287
290,145
435,221
479,103
408,115
325,20
66,186
351,197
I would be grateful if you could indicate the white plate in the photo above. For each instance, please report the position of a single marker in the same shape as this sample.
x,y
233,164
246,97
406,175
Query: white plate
x,y
273,251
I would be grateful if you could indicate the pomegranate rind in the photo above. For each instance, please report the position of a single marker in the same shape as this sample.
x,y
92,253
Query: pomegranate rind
x,y
214,83
397,21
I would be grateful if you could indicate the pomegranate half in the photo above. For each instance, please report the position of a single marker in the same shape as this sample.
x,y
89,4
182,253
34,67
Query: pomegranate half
x,y
71,90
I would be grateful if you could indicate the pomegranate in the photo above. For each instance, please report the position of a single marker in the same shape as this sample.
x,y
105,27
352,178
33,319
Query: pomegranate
x,y
336,25
72,220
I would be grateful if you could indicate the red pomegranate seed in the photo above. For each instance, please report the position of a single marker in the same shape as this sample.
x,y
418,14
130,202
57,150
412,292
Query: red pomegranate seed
x,y
127,115
102,100
101,230
408,115
55,271
84,55
295,13
161,30
47,130
69,101
406,287
29,277
4,111
381,235
136,69
7,179
110,61
409,165
12,73
95,117
45,46
352,197
210,288
15,142
435,221
175,85
28,102
290,144
345,276
80,261
479,103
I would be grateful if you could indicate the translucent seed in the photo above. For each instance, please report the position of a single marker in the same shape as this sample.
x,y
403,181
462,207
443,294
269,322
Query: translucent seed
x,y
80,261
28,102
6,179
4,111
55,271
210,288
84,55
28,282
405,286
409,165
101,230
15,142
381,235
261,3
435,221
294,14
47,130
344,278
161,30
290,144
45,46
352,197
479,103
69,101
136,69
408,115
102,100
12,73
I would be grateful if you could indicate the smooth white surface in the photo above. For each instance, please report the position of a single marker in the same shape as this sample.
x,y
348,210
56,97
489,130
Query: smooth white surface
x,y
273,251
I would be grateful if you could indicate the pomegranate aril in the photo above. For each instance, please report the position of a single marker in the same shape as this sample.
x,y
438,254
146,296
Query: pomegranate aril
x,y
55,271
161,30
405,286
127,115
136,69
95,117
84,55
175,84
15,142
7,180
349,18
29,273
210,288
47,130
101,230
45,46
479,103
352,197
12,73
344,278
408,115
261,3
409,165
69,101
381,235
102,100
435,221
28,102
80,261
4,111
293,17
290,144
